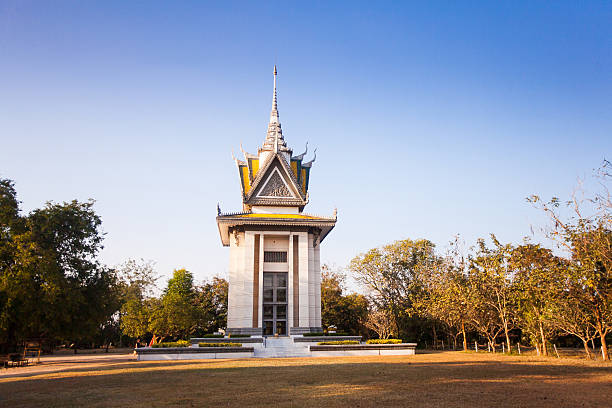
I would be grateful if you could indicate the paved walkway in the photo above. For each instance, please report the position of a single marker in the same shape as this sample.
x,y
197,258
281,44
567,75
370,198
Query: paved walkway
x,y
54,364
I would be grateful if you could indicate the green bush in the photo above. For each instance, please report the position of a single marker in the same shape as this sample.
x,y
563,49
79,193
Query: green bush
x,y
212,336
384,341
219,345
318,334
238,336
337,343
179,343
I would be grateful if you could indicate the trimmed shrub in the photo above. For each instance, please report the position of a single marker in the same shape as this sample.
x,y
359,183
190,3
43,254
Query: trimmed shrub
x,y
384,341
212,336
238,336
337,343
219,345
179,343
319,334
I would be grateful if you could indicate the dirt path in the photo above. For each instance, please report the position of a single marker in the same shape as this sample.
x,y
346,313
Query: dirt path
x,y
54,364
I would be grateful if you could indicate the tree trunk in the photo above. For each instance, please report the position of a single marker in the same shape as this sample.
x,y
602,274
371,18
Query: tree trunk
x,y
465,346
435,336
586,348
507,333
544,350
604,347
507,337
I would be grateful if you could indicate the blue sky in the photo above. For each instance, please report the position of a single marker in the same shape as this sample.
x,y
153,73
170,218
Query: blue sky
x,y
430,118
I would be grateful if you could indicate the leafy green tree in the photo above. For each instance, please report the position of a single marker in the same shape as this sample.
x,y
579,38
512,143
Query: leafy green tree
x,y
586,235
346,312
51,283
211,300
446,299
573,316
445,295
493,291
394,275
176,314
138,283
538,278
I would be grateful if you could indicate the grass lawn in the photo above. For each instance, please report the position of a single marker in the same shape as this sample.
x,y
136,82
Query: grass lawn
x,y
443,379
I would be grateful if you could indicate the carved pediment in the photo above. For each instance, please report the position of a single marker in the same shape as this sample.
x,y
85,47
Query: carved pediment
x,y
275,184
275,187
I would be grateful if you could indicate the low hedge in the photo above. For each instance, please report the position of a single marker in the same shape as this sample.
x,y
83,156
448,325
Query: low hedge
x,y
213,336
238,336
179,343
219,345
319,334
384,341
337,343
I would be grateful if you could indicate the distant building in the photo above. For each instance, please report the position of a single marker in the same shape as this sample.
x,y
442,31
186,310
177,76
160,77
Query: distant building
x,y
275,267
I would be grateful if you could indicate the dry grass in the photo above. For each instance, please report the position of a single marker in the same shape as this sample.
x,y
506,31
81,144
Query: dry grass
x,y
445,379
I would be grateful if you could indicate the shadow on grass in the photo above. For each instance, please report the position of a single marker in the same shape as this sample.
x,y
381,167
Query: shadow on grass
x,y
475,381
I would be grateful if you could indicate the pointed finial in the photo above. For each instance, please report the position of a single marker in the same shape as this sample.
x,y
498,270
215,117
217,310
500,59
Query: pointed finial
x,y
274,137
274,113
218,209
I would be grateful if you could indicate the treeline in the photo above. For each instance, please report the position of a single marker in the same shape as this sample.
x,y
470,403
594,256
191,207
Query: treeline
x,y
502,292
183,310
53,287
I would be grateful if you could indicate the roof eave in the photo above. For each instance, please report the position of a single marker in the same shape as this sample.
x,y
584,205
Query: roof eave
x,y
225,222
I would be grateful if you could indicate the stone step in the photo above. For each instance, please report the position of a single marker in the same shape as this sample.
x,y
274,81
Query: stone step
x,y
281,347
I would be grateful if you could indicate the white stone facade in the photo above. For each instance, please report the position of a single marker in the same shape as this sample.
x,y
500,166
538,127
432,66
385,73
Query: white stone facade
x,y
274,186
240,317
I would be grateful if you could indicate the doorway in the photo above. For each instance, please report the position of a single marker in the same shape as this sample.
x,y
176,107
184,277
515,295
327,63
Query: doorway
x,y
275,303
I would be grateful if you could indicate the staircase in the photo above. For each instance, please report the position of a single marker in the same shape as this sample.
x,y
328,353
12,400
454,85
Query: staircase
x,y
282,347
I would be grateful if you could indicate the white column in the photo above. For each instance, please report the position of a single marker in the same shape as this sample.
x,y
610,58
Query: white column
x,y
303,273
240,294
261,271
317,274
311,283
290,284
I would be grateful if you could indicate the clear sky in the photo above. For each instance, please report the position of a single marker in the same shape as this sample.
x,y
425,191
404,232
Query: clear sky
x,y
430,118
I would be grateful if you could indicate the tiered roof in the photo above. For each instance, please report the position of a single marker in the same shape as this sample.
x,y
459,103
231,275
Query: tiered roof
x,y
288,186
274,178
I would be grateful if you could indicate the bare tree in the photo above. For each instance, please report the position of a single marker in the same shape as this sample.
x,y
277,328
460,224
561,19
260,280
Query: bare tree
x,y
382,322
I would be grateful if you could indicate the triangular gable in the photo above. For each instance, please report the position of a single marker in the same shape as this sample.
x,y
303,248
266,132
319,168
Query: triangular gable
x,y
276,184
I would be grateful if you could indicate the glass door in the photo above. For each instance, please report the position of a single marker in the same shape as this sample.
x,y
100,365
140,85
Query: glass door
x,y
275,303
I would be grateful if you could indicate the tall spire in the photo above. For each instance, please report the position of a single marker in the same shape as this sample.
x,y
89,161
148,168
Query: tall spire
x,y
274,137
274,112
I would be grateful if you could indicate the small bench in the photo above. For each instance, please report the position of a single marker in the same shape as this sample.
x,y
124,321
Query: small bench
x,y
15,360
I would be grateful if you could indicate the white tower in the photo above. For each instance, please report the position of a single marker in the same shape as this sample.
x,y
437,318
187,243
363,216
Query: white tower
x,y
274,271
